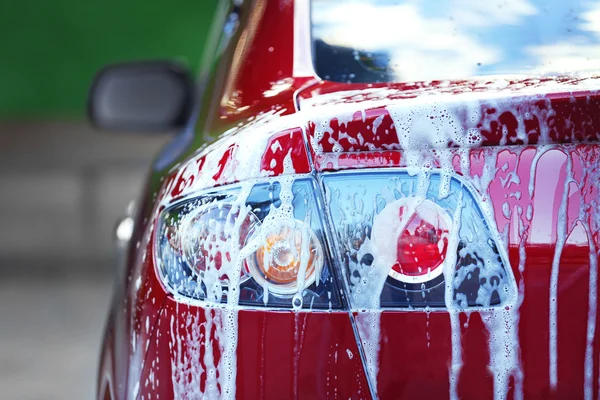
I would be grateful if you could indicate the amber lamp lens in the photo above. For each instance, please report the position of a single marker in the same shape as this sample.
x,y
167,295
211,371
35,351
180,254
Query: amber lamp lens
x,y
284,253
279,260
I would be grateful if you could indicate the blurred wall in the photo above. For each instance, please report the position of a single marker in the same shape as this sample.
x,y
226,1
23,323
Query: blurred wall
x,y
63,186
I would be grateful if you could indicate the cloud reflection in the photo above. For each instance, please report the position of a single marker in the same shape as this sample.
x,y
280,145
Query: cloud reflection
x,y
578,53
454,39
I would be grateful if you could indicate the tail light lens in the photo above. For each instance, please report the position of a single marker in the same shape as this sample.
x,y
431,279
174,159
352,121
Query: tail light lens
x,y
257,244
395,239
206,236
421,230
290,255
393,236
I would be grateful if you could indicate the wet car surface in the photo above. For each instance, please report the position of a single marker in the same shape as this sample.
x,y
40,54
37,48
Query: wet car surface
x,y
433,239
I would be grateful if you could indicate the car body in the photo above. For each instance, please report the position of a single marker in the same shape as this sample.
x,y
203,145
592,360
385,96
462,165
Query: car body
x,y
492,181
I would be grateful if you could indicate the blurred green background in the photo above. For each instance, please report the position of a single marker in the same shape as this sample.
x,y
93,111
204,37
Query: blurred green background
x,y
52,48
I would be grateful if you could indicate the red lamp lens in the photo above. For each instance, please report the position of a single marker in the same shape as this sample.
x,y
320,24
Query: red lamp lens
x,y
411,236
421,246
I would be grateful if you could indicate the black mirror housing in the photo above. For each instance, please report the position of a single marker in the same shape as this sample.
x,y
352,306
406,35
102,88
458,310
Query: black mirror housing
x,y
148,96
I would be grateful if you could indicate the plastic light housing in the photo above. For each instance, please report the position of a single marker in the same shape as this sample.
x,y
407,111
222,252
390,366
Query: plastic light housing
x,y
422,229
388,221
257,244
206,236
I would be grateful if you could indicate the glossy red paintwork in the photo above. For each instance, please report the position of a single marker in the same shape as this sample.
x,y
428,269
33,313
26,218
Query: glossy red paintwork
x,y
279,354
569,107
198,173
306,355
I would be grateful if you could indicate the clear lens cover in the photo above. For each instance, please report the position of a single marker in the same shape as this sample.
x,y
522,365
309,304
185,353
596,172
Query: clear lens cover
x,y
401,238
259,244
291,254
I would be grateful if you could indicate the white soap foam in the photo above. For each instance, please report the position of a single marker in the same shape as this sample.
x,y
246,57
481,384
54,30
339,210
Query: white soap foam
x,y
502,324
589,217
220,378
588,384
368,324
449,268
561,237
430,126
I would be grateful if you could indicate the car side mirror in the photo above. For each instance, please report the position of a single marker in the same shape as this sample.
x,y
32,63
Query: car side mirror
x,y
147,96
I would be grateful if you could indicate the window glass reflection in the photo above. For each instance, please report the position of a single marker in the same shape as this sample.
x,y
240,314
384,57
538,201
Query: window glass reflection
x,y
417,40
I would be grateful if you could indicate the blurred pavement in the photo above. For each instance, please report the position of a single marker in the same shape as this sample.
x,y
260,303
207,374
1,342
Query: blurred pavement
x,y
50,337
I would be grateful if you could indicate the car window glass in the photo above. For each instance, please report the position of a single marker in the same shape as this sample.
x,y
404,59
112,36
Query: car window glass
x,y
412,40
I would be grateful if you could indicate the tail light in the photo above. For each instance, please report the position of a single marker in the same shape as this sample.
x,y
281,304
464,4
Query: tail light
x,y
206,239
255,244
420,230
290,255
395,238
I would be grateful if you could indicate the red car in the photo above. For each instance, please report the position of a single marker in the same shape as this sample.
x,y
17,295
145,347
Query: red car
x,y
366,199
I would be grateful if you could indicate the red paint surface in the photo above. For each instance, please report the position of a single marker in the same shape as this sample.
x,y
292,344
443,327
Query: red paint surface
x,y
570,117
288,143
279,354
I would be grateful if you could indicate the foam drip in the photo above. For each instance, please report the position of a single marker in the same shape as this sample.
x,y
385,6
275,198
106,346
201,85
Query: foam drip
x,y
588,368
561,237
220,378
368,324
588,216
453,309
502,324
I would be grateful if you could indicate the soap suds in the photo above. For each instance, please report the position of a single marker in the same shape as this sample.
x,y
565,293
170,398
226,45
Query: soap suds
x,y
561,237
